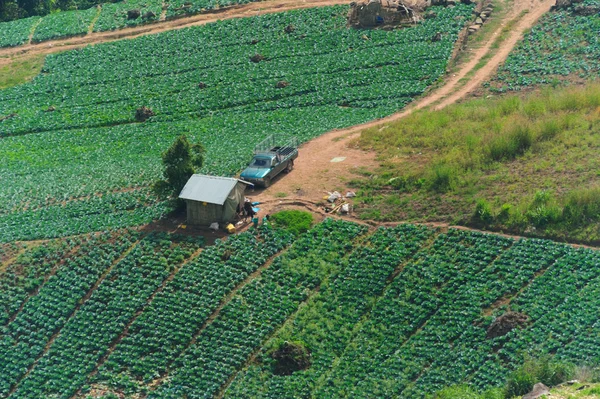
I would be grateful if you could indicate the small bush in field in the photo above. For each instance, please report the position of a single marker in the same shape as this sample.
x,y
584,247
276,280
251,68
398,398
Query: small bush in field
x,y
296,222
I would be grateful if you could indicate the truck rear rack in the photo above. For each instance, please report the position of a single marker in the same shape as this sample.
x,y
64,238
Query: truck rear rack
x,y
270,144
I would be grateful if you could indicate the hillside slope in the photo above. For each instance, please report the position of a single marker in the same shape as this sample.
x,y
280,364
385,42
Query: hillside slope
x,y
400,311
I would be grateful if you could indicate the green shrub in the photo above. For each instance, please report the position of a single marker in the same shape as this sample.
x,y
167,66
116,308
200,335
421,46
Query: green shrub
x,y
504,213
296,222
548,129
483,213
545,370
582,206
466,392
442,177
519,383
543,210
511,143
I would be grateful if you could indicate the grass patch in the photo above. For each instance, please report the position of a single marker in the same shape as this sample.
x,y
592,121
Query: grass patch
x,y
20,70
532,159
296,222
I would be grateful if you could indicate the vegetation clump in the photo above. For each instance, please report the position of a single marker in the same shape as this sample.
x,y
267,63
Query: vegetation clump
x,y
180,162
289,357
545,369
525,165
296,222
143,113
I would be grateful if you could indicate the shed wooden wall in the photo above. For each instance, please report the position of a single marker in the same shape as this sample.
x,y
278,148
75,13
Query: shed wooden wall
x,y
203,215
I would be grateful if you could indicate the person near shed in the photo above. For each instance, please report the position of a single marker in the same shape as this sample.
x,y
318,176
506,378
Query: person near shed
x,y
248,211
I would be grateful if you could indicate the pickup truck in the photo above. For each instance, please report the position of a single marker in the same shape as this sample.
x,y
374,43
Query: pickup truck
x,y
270,159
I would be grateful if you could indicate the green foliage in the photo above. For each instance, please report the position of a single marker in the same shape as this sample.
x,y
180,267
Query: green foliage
x,y
17,32
500,150
180,162
466,392
374,308
511,143
582,206
442,177
64,24
212,275
545,370
114,14
20,70
296,222
85,336
483,213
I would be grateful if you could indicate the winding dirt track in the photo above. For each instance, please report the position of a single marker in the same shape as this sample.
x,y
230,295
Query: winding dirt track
x,y
315,174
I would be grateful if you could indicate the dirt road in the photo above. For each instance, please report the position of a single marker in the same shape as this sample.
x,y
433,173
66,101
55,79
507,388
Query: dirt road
x,y
316,170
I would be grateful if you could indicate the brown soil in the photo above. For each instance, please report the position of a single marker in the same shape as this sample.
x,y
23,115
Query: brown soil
x,y
505,324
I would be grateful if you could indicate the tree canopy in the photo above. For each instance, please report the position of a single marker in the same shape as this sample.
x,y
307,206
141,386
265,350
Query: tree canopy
x,y
180,161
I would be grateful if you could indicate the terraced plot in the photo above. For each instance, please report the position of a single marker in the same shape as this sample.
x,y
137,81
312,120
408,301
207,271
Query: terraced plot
x,y
564,45
400,311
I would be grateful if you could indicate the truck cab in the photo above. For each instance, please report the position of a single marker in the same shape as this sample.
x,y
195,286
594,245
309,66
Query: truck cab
x,y
269,160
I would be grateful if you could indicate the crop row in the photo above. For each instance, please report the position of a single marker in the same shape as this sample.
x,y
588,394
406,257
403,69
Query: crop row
x,y
85,338
27,273
429,282
338,77
345,58
258,310
24,339
560,305
64,24
17,32
401,312
326,324
514,269
167,326
111,211
9,250
562,44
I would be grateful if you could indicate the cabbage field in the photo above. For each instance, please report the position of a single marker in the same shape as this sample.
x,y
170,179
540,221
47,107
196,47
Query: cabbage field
x,y
564,43
75,160
105,17
388,312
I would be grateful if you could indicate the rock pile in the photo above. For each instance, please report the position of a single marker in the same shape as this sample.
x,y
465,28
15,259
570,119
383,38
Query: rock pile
x,y
481,18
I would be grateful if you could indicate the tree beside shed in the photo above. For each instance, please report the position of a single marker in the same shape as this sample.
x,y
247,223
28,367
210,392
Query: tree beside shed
x,y
212,199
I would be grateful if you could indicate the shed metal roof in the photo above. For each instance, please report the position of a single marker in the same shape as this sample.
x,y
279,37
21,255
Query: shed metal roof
x,y
209,189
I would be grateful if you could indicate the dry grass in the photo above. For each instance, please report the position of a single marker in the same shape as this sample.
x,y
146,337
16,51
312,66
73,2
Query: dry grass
x,y
16,71
437,164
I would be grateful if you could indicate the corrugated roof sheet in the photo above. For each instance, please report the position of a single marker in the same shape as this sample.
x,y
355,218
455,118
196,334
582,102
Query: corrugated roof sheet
x,y
210,189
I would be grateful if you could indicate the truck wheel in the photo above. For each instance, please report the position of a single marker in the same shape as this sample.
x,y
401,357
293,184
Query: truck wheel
x,y
267,182
290,167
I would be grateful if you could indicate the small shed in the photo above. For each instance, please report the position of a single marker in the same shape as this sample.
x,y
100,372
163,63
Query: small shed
x,y
212,199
